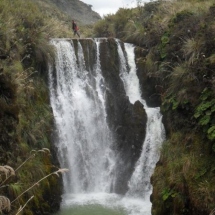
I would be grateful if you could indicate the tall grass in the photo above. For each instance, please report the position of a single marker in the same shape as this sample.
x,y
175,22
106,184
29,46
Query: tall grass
x,y
25,30
193,49
186,174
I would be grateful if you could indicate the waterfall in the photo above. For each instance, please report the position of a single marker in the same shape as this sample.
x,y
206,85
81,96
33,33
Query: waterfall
x,y
83,134
83,139
139,184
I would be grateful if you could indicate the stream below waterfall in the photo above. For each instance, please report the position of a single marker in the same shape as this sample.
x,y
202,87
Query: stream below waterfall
x,y
85,142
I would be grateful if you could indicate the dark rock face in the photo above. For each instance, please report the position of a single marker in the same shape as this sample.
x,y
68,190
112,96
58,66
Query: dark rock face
x,y
150,86
89,48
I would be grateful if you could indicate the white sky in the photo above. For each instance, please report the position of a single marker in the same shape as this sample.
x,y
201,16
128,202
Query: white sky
x,y
104,7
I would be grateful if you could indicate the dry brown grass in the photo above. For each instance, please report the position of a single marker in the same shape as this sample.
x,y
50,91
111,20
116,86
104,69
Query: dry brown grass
x,y
5,204
193,50
6,171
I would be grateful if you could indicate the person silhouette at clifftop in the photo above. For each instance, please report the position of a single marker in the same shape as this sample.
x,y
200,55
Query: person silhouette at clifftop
x,y
75,28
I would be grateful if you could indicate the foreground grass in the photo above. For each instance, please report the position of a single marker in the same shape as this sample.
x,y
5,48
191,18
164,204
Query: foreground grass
x,y
26,119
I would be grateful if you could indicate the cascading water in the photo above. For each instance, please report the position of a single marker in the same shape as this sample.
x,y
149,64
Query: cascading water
x,y
80,121
139,184
84,141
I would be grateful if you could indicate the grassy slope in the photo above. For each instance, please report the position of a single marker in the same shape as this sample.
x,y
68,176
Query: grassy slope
x,y
177,52
77,10
25,115
62,13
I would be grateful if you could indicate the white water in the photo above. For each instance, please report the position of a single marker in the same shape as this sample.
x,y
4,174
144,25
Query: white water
x,y
83,139
139,184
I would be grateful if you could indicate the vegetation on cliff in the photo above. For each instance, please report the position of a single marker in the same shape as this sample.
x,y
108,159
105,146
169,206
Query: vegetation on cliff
x,y
176,63
26,119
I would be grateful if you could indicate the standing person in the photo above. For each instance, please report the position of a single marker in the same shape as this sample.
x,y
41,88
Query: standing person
x,y
75,28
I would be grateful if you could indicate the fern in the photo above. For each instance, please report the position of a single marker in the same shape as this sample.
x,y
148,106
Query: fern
x,y
175,104
212,109
205,113
167,193
206,93
205,120
201,109
211,134
165,39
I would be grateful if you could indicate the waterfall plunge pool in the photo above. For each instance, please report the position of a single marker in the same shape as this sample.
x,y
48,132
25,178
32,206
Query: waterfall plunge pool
x,y
103,204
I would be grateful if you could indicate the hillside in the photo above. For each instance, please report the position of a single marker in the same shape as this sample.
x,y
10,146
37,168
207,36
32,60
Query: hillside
x,y
62,12
77,10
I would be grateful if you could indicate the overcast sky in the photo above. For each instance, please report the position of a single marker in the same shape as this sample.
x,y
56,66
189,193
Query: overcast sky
x,y
104,7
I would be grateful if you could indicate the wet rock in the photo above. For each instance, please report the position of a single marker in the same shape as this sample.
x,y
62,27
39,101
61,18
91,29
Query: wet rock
x,y
150,87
